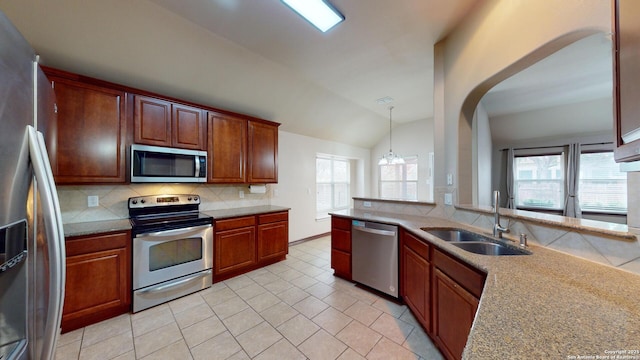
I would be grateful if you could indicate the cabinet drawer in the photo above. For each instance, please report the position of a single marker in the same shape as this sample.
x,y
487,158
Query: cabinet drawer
x,y
340,223
275,217
416,245
91,243
341,240
468,278
235,223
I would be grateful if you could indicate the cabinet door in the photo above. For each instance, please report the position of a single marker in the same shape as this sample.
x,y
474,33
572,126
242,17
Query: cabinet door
x,y
98,279
273,241
416,285
227,149
263,153
341,264
189,128
453,313
234,250
626,89
341,247
152,121
89,146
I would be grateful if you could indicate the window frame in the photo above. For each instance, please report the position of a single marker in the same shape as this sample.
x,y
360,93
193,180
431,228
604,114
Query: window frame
x,y
323,214
562,181
404,182
599,210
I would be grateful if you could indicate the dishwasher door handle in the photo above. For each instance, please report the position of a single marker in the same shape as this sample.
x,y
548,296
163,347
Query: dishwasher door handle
x,y
375,231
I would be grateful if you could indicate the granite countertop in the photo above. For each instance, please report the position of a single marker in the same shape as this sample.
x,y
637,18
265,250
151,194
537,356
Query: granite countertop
x,y
97,227
548,305
244,211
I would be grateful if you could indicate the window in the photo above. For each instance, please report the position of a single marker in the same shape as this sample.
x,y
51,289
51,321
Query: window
x,y
332,184
400,181
539,181
602,187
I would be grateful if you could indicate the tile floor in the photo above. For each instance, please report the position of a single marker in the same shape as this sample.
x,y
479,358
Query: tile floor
x,y
295,309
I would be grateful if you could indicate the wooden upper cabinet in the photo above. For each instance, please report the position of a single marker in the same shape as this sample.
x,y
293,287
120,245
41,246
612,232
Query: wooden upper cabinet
x,y
626,69
227,148
89,144
163,123
189,128
152,121
263,153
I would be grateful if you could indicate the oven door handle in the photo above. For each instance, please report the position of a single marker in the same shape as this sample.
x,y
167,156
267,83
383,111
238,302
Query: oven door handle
x,y
163,234
173,284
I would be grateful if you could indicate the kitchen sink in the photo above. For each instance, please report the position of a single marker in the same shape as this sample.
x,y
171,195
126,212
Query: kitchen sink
x,y
474,242
456,235
489,248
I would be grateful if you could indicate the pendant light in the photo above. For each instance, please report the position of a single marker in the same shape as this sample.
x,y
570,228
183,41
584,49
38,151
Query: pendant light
x,y
390,158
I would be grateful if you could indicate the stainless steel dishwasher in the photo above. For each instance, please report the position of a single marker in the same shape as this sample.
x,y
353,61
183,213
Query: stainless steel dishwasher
x,y
374,255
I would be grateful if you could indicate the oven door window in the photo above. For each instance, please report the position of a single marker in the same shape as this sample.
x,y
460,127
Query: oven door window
x,y
161,164
176,252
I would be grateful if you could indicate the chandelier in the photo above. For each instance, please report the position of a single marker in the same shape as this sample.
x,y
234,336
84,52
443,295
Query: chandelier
x,y
390,158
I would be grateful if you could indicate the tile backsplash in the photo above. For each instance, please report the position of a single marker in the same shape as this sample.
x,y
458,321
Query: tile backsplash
x,y
112,199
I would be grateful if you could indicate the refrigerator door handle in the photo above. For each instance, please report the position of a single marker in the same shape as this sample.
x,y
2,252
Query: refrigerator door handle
x,y
55,239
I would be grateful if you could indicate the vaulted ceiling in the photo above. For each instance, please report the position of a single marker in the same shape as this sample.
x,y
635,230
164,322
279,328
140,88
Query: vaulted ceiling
x,y
260,58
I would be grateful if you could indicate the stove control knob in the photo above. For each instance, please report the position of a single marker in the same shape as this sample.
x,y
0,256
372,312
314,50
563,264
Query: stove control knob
x,y
134,202
142,201
189,198
195,198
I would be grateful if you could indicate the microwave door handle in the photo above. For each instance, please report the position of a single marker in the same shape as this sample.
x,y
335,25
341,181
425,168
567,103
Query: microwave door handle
x,y
197,159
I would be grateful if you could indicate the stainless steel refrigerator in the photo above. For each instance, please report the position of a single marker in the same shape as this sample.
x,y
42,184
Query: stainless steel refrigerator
x,y
31,238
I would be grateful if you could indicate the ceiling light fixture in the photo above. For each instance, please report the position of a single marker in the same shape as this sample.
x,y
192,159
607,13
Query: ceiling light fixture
x,y
319,13
390,158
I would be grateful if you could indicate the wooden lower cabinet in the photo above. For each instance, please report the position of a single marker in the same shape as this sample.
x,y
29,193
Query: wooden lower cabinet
x,y
273,237
456,293
454,310
341,247
246,243
98,278
416,278
235,249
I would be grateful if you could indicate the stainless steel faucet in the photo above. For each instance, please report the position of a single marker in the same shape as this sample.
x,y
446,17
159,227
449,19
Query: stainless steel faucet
x,y
497,228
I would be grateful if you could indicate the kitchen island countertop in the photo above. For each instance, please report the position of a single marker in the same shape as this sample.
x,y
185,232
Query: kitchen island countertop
x,y
548,305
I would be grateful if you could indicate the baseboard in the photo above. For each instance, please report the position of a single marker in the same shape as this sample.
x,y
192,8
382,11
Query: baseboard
x,y
314,237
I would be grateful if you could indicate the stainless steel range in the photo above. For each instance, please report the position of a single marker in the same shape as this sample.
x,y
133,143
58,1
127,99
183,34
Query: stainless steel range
x,y
172,248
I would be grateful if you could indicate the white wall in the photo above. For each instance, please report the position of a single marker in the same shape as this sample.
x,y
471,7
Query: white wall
x,y
497,40
296,186
482,148
408,139
585,117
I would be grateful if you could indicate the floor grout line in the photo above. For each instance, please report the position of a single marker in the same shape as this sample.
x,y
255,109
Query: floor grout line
x,y
301,260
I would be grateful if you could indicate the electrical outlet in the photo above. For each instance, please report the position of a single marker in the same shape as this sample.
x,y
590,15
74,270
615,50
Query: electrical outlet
x,y
448,199
241,194
93,201
366,204
449,179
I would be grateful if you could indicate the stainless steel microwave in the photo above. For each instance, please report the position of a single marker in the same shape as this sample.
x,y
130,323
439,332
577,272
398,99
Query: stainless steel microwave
x,y
162,164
